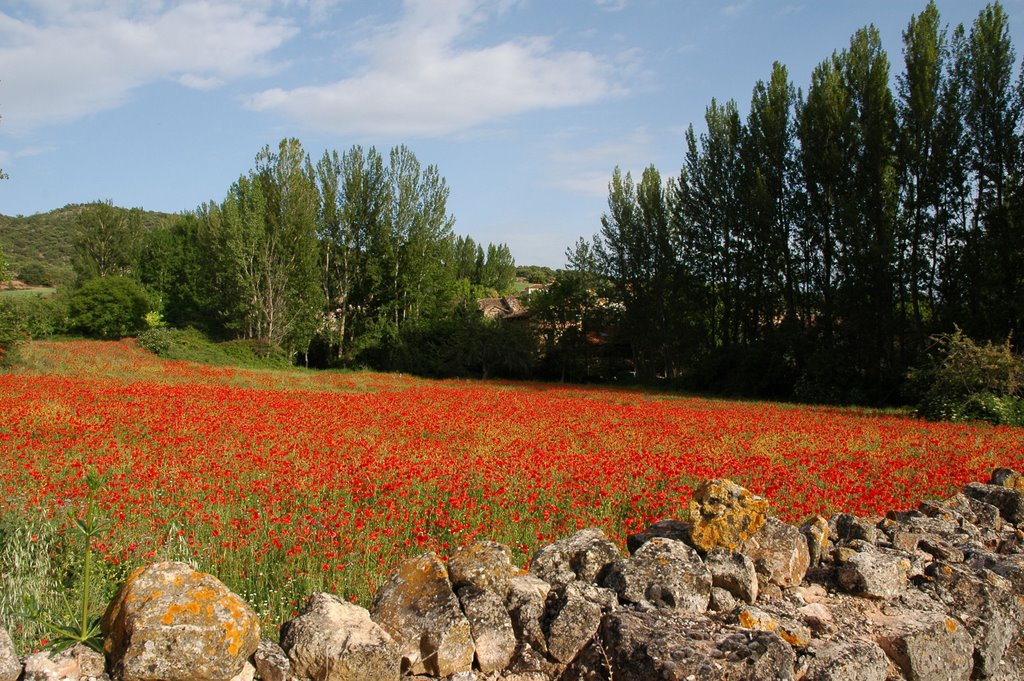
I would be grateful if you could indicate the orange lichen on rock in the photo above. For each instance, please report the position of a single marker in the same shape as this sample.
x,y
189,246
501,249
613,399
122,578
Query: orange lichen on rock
x,y
724,515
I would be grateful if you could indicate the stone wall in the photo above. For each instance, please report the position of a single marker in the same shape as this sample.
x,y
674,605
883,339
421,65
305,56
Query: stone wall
x,y
933,594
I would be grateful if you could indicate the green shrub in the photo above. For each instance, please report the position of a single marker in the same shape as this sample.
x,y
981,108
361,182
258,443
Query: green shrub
x,y
39,316
964,381
11,334
109,307
191,345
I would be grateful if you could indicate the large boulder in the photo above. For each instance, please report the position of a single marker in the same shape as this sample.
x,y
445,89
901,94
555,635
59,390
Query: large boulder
x,y
169,622
663,573
928,646
333,640
418,608
779,552
10,667
583,556
724,514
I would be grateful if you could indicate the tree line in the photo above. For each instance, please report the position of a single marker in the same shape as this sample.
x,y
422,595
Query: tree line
x,y
338,258
812,247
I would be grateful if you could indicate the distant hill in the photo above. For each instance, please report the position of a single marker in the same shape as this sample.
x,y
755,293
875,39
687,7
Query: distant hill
x,y
44,240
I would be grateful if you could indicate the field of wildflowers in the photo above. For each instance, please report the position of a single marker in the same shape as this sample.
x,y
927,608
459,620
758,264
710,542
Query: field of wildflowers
x,y
282,483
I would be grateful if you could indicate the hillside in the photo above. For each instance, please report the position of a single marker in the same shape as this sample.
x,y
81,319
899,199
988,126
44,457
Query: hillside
x,y
45,239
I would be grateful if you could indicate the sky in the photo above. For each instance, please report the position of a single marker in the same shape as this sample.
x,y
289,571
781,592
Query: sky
x,y
524,106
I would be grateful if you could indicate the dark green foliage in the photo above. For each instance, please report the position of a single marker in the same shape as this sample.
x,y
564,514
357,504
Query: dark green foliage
x,y
535,274
107,241
35,274
109,307
963,380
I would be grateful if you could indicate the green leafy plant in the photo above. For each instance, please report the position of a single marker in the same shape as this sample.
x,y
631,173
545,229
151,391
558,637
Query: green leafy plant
x,y
81,625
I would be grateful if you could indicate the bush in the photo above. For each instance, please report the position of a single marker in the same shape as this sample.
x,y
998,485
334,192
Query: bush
x,y
109,307
191,345
11,334
35,274
964,381
40,317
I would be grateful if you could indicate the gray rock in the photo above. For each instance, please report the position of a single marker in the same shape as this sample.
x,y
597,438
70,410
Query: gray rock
x,y
483,564
667,528
581,556
1010,567
10,666
491,626
647,646
78,663
873,574
271,662
526,602
571,621
848,661
663,573
779,552
987,607
417,607
1009,501
792,631
333,640
172,623
721,600
733,572
928,646
848,527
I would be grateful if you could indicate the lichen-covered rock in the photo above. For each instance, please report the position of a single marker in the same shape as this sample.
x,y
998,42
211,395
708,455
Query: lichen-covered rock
x,y
1007,477
663,573
724,515
848,527
733,572
792,632
169,622
779,552
667,528
526,602
78,663
662,645
848,661
271,662
987,607
816,532
10,667
483,564
929,646
418,608
490,624
1008,500
873,574
572,619
583,556
333,640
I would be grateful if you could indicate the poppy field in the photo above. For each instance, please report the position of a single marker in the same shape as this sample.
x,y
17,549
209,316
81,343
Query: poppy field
x,y
282,483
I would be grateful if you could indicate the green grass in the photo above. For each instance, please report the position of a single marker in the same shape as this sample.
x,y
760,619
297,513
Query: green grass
x,y
190,345
41,292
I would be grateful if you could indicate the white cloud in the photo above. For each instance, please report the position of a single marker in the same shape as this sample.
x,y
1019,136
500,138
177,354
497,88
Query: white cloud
x,y
422,79
62,61
736,8
612,5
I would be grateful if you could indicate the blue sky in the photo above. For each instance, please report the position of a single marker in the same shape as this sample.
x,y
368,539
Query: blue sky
x,y
525,106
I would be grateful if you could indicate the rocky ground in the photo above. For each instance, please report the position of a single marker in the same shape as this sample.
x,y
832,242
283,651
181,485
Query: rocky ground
x,y
932,594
